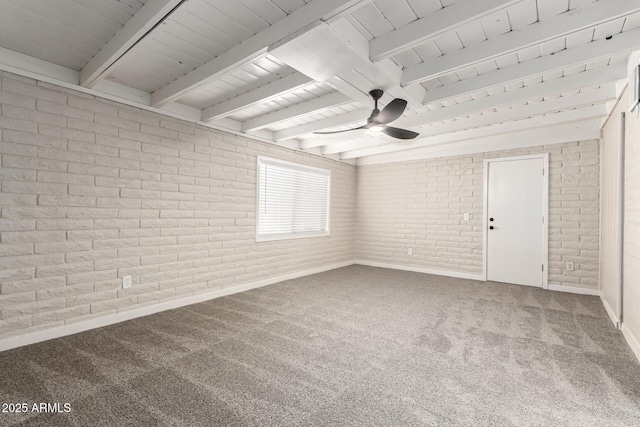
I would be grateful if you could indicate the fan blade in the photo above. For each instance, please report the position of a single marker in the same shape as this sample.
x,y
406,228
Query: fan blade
x,y
399,133
392,111
340,131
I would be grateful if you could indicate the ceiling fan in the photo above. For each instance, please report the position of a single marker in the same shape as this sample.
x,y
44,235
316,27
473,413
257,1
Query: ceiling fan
x,y
377,121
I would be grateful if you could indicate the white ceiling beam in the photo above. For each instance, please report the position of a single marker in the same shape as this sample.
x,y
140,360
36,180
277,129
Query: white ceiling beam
x,y
293,112
136,28
596,96
384,74
576,81
253,48
591,112
262,94
215,69
341,147
325,140
431,25
358,116
333,144
347,89
558,26
576,131
582,54
25,65
338,54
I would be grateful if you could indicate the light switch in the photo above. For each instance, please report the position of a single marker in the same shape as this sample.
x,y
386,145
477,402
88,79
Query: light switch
x,y
467,216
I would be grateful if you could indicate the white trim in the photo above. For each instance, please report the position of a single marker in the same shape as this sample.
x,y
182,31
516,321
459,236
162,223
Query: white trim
x,y
545,226
470,276
610,312
485,215
289,236
447,273
574,290
545,212
633,342
74,328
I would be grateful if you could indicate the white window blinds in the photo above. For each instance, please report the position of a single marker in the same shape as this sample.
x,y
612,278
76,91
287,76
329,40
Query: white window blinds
x,y
293,200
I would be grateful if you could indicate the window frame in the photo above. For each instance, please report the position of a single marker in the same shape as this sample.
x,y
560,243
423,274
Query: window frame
x,y
291,165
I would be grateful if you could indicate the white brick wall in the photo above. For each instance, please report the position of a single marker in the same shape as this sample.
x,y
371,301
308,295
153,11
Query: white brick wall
x,y
420,205
93,190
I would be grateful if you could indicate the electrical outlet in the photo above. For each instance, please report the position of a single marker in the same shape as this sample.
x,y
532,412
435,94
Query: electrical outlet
x,y
569,266
467,216
126,282
410,251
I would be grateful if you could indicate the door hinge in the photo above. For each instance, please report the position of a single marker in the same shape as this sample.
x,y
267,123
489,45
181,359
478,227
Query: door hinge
x,y
543,220
542,267
542,171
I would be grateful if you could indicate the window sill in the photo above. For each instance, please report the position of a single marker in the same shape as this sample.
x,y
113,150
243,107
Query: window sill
x,y
277,237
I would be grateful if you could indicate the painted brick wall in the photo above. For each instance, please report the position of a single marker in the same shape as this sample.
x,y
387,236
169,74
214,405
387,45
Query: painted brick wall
x,y
92,190
420,205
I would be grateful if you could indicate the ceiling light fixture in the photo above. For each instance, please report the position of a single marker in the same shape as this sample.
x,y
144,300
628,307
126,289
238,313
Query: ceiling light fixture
x,y
376,128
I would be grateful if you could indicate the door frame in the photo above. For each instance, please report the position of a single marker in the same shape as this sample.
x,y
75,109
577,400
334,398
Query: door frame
x,y
545,212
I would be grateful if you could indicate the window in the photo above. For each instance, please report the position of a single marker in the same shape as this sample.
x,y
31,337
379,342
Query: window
x,y
293,200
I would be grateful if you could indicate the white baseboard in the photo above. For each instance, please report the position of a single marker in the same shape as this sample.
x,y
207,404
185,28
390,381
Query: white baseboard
x,y
610,312
634,343
457,274
74,328
574,290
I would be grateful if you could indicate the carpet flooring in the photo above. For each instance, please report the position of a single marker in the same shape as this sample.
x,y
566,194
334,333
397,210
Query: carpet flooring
x,y
357,346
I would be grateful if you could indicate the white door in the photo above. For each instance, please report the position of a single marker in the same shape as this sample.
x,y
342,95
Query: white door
x,y
515,221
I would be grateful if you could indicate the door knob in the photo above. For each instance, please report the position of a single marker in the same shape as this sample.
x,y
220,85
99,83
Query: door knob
x,y
490,219
491,227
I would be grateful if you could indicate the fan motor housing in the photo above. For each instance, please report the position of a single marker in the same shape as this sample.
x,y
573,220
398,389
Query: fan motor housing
x,y
376,94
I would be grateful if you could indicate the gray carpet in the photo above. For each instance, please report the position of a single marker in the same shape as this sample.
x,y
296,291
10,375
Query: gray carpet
x,y
354,346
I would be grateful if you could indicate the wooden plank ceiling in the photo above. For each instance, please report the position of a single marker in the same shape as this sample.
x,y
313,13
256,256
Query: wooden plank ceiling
x,y
477,75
